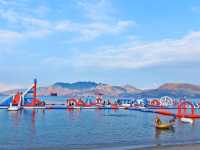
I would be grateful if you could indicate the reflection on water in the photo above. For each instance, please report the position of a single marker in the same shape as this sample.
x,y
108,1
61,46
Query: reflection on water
x,y
15,117
83,129
33,122
160,132
73,114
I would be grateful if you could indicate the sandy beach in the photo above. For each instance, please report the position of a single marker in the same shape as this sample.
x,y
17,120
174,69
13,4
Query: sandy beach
x,y
174,147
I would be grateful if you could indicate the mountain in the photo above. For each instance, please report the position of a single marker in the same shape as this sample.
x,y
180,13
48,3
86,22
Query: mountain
x,y
76,85
175,90
180,86
83,89
78,89
9,92
114,90
86,89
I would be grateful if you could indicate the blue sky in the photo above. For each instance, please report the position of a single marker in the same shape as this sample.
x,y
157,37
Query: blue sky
x,y
143,43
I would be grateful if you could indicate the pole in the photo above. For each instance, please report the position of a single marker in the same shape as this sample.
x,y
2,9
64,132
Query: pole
x,y
35,89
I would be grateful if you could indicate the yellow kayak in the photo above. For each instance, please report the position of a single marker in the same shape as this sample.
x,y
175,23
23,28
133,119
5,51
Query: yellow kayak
x,y
164,125
160,125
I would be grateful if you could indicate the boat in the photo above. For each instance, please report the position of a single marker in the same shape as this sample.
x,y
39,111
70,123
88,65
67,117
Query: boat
x,y
161,125
187,120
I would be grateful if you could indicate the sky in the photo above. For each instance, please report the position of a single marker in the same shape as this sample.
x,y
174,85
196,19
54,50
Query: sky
x,y
139,42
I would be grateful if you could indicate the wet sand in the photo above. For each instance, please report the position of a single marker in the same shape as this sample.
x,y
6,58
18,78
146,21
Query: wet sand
x,y
174,147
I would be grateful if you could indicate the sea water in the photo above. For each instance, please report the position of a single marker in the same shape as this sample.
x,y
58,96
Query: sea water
x,y
88,129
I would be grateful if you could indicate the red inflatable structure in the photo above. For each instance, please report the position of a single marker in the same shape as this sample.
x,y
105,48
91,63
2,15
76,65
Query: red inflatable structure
x,y
81,103
185,109
71,103
34,101
16,99
114,106
78,103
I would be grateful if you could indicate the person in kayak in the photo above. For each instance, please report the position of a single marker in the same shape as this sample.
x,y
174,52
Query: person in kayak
x,y
157,120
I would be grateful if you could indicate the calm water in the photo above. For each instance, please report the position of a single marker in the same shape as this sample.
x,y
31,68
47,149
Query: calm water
x,y
87,129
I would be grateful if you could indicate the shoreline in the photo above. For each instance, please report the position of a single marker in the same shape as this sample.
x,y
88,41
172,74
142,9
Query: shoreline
x,y
195,146
184,146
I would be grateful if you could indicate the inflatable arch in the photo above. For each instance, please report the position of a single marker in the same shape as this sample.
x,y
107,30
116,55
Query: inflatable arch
x,y
167,101
99,100
183,109
155,102
71,102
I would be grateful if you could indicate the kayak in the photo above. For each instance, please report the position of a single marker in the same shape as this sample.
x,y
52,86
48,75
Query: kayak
x,y
164,125
187,120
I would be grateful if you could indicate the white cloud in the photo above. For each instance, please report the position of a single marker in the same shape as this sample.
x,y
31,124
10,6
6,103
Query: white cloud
x,y
66,26
9,40
102,21
20,23
8,2
94,30
97,10
185,49
30,21
37,33
55,61
11,37
7,36
42,10
196,9
23,20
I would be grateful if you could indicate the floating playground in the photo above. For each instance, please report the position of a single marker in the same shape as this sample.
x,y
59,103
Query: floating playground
x,y
165,106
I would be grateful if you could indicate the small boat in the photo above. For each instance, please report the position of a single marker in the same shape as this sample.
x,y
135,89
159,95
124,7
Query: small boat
x,y
187,120
161,125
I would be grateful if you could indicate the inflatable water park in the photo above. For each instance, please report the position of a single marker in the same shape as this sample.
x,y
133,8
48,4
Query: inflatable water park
x,y
166,105
20,100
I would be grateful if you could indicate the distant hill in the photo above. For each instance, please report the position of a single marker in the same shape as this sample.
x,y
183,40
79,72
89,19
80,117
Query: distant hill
x,y
92,88
12,91
2,94
110,90
180,86
174,90
156,93
87,89
76,85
